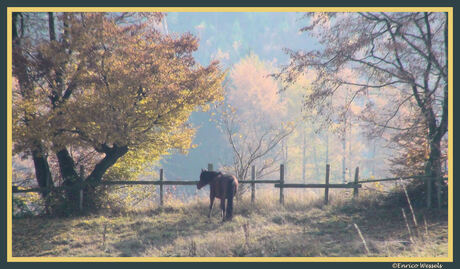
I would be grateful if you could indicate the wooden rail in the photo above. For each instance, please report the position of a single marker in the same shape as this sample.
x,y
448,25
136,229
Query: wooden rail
x,y
266,181
392,179
318,186
148,182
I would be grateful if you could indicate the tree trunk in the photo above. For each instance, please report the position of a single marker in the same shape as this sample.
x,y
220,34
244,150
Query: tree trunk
x,y
14,25
42,171
315,159
304,159
433,169
285,149
327,148
373,159
69,177
344,149
349,151
43,176
111,157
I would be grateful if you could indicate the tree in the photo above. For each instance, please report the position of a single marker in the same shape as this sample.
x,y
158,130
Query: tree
x,y
252,118
107,82
401,52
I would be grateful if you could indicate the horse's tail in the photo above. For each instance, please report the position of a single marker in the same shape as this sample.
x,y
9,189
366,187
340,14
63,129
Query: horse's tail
x,y
231,190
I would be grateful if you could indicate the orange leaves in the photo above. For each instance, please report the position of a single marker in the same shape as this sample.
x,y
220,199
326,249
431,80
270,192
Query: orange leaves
x,y
254,90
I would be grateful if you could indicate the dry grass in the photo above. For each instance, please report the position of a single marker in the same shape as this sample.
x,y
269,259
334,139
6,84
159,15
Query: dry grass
x,y
303,227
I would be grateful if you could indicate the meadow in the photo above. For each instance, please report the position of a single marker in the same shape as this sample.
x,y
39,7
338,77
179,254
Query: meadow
x,y
303,227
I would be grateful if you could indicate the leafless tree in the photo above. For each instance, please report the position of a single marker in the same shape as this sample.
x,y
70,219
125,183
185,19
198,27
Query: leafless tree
x,y
252,143
404,53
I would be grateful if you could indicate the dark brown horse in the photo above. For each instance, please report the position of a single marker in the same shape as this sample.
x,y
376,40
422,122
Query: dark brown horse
x,y
223,187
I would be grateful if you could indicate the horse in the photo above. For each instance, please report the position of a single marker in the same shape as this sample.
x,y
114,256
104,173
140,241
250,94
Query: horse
x,y
223,187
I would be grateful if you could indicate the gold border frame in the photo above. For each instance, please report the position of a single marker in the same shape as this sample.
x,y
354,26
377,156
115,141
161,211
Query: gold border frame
x,y
10,258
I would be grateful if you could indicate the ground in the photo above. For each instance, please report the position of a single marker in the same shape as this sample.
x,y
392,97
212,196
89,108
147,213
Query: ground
x,y
302,227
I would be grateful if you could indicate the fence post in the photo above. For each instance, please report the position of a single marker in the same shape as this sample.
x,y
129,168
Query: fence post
x,y
253,184
82,176
326,189
161,187
210,168
281,184
355,189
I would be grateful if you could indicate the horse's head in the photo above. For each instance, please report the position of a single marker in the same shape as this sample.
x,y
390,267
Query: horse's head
x,y
206,177
203,179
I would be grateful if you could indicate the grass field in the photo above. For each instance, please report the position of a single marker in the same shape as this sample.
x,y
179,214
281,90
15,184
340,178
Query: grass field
x,y
304,227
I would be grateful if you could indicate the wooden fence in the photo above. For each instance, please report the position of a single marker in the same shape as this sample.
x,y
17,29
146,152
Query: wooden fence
x,y
355,185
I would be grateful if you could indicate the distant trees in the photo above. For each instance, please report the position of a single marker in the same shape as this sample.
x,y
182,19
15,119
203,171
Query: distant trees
x,y
103,82
402,56
301,149
322,134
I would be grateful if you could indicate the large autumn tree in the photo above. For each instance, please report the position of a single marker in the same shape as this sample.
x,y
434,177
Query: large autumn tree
x,y
404,53
107,82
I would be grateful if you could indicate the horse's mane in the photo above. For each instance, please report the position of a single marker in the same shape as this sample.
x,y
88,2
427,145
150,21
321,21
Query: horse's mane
x,y
206,176
210,173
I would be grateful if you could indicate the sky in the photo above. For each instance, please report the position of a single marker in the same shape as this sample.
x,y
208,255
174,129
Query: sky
x,y
228,37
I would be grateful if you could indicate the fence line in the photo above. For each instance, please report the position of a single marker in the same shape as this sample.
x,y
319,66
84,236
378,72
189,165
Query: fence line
x,y
394,178
319,185
277,184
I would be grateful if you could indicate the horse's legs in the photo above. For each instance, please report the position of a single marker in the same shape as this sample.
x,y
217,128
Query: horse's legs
x,y
229,210
210,205
222,206
231,193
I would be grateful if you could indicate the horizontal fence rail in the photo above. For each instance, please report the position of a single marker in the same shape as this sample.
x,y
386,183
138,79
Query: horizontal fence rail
x,y
399,178
147,182
263,181
355,185
318,186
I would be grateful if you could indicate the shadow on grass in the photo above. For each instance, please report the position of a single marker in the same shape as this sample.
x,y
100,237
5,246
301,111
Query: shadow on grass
x,y
37,236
